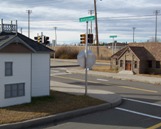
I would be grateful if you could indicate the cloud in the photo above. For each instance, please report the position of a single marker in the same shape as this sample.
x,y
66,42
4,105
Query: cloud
x,y
114,17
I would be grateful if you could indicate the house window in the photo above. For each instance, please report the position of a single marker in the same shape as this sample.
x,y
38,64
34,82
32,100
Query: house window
x,y
135,64
116,62
8,68
150,64
121,63
157,64
14,90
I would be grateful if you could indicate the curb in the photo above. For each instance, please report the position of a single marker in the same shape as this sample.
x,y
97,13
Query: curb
x,y
60,116
64,66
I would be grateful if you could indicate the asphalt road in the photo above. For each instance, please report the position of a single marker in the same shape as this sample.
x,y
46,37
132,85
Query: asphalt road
x,y
141,107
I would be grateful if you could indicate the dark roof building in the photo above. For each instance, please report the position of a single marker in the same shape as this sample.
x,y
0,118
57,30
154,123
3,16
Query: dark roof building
x,y
138,58
7,38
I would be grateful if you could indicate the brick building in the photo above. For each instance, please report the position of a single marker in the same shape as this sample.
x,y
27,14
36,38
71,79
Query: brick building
x,y
138,58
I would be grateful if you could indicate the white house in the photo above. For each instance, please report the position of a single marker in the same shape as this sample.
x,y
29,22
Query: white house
x,y
24,67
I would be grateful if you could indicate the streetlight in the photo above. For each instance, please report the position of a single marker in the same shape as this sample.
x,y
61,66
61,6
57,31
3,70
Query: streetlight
x,y
96,24
133,34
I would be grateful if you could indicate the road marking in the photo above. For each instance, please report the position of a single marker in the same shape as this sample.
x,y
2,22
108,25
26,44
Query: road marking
x,y
152,91
104,80
76,79
154,104
138,113
155,126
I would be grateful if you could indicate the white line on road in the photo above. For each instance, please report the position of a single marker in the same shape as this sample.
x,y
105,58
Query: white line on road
x,y
153,104
138,113
104,80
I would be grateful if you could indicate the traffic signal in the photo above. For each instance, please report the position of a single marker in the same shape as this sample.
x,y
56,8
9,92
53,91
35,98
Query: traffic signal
x,y
35,38
83,38
90,38
46,40
38,39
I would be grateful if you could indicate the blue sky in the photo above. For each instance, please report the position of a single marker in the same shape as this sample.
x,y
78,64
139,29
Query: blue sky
x,y
115,17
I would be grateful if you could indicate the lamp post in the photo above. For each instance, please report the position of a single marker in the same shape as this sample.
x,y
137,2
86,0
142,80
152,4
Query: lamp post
x,y
96,24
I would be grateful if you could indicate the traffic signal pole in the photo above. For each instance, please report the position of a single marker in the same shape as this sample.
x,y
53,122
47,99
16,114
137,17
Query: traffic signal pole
x,y
86,57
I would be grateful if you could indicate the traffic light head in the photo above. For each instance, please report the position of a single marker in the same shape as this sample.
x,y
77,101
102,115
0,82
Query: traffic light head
x,y
46,40
39,39
90,38
82,38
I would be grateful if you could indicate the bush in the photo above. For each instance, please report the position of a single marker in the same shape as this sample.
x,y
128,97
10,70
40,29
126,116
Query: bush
x,y
66,53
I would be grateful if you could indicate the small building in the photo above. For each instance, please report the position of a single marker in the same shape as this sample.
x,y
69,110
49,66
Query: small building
x,y
24,67
138,58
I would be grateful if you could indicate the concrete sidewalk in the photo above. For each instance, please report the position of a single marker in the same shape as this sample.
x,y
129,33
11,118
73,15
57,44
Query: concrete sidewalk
x,y
110,97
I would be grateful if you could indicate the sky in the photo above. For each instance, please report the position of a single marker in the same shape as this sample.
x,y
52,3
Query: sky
x,y
115,17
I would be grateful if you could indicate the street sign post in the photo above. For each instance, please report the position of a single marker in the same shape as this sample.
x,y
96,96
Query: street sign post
x,y
113,36
86,19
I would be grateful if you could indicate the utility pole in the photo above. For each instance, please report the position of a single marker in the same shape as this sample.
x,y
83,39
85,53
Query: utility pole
x,y
55,36
156,22
134,34
91,12
29,12
96,24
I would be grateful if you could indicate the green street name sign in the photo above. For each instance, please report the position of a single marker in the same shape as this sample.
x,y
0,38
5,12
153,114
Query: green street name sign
x,y
113,36
85,19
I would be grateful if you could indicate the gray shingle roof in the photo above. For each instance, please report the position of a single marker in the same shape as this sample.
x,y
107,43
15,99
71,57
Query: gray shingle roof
x,y
6,37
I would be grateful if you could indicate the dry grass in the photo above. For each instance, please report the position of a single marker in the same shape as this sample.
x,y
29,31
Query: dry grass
x,y
43,106
104,69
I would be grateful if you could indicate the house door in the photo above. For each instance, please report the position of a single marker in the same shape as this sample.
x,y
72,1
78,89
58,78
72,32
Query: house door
x,y
128,65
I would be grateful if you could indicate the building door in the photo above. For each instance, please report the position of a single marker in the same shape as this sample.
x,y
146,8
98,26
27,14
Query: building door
x,y
128,65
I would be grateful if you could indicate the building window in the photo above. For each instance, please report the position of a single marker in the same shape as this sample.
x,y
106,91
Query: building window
x,y
116,62
135,64
14,90
8,68
157,64
121,63
150,64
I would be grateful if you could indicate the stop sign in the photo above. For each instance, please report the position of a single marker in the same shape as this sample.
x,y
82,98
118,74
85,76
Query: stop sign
x,y
91,59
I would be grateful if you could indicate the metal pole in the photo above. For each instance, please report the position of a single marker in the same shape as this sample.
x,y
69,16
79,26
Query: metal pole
x,y
113,46
21,30
91,12
55,35
29,12
96,24
86,55
156,22
134,34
